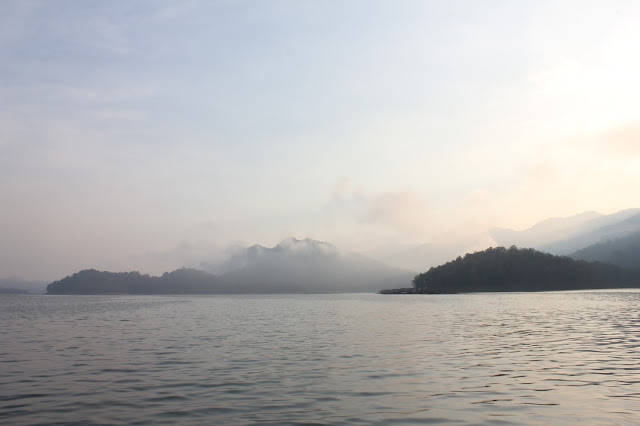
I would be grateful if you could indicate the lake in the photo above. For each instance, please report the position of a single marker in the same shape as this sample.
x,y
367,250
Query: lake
x,y
503,358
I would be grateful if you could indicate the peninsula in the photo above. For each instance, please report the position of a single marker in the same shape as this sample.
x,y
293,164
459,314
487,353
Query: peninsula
x,y
498,269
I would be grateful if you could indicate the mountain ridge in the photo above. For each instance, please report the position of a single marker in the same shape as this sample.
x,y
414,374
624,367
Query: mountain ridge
x,y
565,235
622,251
292,266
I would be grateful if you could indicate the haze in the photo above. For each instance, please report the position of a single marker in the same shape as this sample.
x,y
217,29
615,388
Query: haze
x,y
146,135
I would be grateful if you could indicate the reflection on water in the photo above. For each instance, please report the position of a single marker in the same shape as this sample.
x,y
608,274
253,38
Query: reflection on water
x,y
350,359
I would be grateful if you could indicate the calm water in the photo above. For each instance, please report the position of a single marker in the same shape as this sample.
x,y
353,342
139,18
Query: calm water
x,y
327,359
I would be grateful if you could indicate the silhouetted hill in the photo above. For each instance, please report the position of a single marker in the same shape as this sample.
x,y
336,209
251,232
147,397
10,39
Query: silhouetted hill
x,y
623,251
91,281
180,281
513,269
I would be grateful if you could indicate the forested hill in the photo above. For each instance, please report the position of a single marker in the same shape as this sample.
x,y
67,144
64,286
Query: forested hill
x,y
623,251
308,277
181,281
293,266
513,269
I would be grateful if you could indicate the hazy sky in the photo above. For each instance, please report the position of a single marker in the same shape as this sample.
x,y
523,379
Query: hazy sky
x,y
150,134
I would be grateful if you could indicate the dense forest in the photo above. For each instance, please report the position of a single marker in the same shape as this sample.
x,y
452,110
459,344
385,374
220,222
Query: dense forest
x,y
623,251
513,269
91,281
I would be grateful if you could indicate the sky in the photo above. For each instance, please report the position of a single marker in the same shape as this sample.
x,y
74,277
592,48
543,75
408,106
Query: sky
x,y
148,135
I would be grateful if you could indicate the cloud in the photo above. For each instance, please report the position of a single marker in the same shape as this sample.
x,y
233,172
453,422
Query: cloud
x,y
560,78
403,210
340,188
344,189
478,195
356,218
172,10
110,37
187,253
540,171
121,94
623,140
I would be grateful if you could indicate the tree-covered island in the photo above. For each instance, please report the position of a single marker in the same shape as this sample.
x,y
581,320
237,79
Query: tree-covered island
x,y
91,281
502,270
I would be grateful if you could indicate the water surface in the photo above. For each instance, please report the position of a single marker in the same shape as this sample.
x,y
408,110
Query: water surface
x,y
505,358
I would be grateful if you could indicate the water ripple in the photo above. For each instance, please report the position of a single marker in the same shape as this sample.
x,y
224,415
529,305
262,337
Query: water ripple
x,y
341,359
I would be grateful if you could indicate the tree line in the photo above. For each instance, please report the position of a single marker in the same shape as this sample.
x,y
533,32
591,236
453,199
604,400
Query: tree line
x,y
181,281
513,269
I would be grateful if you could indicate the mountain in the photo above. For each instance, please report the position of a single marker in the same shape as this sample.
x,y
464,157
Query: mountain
x,y
560,235
500,269
241,257
623,251
306,266
566,235
548,230
609,227
181,281
293,266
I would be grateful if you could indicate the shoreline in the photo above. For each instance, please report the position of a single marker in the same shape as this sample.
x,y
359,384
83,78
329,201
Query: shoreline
x,y
412,290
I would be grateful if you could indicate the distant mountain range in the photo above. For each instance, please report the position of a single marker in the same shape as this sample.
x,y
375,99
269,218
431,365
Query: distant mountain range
x,y
310,266
623,251
293,266
560,236
549,230
563,236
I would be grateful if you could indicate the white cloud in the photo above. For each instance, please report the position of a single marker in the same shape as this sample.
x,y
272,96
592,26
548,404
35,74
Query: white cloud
x,y
621,141
404,211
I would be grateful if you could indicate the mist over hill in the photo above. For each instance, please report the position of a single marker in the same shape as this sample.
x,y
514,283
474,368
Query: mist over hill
x,y
623,251
566,235
610,230
306,266
418,257
19,285
543,232
292,266
247,257
560,235
310,266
